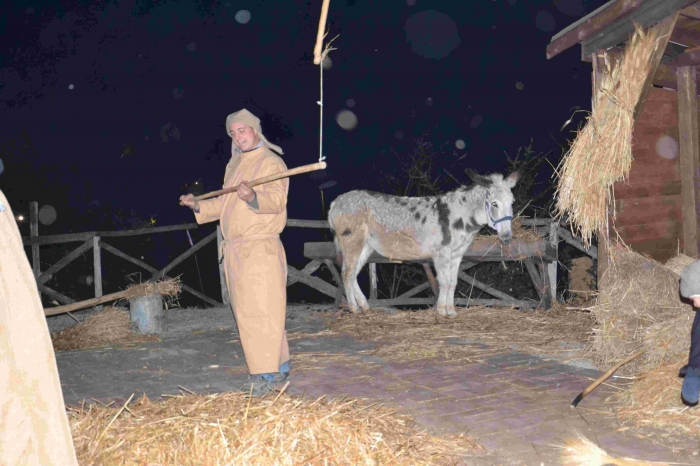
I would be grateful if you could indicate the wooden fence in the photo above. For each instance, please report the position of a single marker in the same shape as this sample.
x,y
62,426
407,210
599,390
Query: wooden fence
x,y
540,258
95,240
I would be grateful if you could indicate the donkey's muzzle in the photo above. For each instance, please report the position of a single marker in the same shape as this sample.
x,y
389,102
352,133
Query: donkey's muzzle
x,y
506,238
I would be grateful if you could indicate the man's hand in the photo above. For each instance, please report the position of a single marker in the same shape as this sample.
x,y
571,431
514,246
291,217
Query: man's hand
x,y
245,192
188,200
696,302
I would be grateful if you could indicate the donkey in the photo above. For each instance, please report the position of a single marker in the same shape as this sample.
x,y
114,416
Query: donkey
x,y
440,228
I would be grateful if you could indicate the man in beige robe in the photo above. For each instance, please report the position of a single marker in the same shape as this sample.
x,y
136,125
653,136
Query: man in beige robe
x,y
34,427
254,259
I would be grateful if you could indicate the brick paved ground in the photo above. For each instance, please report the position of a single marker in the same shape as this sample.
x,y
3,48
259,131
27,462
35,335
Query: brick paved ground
x,y
516,405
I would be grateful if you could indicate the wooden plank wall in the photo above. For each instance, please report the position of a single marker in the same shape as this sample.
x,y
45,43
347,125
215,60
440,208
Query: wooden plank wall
x,y
648,206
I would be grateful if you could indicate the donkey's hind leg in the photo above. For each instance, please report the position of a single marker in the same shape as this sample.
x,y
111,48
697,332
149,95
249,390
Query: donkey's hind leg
x,y
361,261
352,247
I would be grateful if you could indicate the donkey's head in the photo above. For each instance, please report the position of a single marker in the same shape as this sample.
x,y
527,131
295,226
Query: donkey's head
x,y
498,204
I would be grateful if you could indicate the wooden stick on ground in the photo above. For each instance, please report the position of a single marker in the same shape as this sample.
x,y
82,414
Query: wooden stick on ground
x,y
603,378
267,179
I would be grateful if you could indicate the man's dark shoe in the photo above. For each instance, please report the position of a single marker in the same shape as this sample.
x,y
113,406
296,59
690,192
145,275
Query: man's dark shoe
x,y
691,386
278,377
260,386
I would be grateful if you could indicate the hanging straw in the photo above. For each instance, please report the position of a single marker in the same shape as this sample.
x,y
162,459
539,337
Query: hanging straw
x,y
601,154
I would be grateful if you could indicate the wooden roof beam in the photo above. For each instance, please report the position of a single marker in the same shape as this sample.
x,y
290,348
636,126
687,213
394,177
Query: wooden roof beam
x,y
648,14
591,25
692,11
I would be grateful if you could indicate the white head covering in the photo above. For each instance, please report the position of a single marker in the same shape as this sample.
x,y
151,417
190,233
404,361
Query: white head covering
x,y
246,118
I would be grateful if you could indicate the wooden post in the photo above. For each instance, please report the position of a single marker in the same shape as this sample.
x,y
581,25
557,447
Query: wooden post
x,y
97,266
552,266
222,275
338,280
689,153
372,280
603,236
431,279
34,231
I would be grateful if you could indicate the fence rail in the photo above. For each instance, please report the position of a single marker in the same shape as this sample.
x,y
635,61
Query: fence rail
x,y
95,240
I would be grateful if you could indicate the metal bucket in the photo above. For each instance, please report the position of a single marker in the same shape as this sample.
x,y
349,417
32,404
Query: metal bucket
x,y
147,313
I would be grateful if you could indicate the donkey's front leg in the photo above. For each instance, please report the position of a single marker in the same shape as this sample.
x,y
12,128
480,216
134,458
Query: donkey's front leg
x,y
442,265
455,262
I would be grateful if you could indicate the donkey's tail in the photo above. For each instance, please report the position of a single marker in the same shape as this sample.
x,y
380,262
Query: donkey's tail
x,y
338,251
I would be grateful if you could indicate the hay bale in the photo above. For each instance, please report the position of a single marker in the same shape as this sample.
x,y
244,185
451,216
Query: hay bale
x,y
233,429
677,264
655,399
639,307
109,327
601,154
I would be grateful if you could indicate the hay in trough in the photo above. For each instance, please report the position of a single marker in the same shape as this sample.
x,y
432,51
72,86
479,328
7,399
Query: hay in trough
x,y
234,429
476,331
639,307
601,154
519,231
112,326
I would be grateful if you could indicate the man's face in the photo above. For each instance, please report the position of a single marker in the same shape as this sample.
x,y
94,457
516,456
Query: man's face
x,y
244,136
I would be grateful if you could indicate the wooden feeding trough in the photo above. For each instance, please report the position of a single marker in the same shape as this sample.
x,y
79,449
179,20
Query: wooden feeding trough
x,y
656,208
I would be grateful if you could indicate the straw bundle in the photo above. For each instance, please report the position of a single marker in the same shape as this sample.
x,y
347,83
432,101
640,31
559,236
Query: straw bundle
x,y
167,288
601,154
580,451
109,327
639,307
231,429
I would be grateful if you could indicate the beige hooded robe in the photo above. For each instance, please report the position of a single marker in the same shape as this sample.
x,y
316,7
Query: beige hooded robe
x,y
34,427
254,258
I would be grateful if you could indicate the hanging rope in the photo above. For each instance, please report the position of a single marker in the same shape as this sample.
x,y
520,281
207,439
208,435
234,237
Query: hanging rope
x,y
319,58
321,158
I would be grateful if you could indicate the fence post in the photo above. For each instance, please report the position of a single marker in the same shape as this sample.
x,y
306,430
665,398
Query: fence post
x,y
97,267
222,275
552,266
34,231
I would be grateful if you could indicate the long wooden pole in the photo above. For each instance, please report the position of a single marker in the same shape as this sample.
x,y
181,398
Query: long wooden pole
x,y
267,179
320,34
603,378
83,304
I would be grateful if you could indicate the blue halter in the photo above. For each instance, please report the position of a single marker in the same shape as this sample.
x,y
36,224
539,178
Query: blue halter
x,y
493,220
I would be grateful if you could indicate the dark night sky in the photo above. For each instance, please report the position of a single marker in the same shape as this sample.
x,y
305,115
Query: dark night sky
x,y
109,106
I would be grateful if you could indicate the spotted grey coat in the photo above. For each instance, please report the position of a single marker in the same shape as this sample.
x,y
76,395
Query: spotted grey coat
x,y
440,228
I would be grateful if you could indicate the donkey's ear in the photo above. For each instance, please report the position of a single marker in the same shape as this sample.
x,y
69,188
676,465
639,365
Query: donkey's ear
x,y
512,179
478,179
